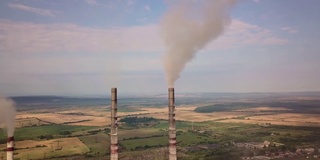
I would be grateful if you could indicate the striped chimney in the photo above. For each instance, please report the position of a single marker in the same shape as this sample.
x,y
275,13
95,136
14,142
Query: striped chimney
x,y
172,126
10,148
114,126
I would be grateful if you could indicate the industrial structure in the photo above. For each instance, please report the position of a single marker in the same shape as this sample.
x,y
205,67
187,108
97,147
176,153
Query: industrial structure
x,y
172,126
114,126
10,148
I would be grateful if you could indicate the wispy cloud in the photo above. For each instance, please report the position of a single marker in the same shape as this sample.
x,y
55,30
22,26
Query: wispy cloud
x,y
39,11
142,19
130,2
25,37
147,8
289,30
92,2
242,34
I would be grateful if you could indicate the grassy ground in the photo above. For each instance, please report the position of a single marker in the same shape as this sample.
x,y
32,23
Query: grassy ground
x,y
142,132
30,121
145,143
30,149
97,144
29,133
135,142
207,128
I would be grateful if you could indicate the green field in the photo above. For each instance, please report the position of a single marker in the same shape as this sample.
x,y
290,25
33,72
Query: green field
x,y
144,143
141,132
222,134
311,106
193,139
98,144
30,133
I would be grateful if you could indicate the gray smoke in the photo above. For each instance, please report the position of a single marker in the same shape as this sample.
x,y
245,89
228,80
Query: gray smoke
x,y
8,114
187,27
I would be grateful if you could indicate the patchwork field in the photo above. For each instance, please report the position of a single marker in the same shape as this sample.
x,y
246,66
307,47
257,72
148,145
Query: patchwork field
x,y
97,144
204,129
255,115
30,149
100,117
74,119
95,116
293,119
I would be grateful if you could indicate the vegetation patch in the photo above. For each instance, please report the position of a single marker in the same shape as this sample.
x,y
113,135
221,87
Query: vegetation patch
x,y
139,121
44,132
223,107
293,107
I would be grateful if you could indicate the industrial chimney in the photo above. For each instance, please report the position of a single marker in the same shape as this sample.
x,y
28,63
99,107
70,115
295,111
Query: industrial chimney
x,y
172,126
114,126
10,148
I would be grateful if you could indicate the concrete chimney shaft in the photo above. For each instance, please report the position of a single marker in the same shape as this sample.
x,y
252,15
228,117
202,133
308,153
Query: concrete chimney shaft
x,y
114,126
172,126
10,148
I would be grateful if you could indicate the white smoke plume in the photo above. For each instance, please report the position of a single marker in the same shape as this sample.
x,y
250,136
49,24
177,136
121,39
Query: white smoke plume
x,y
187,27
8,114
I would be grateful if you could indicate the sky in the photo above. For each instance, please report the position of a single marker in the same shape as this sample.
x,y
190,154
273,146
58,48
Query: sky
x,y
86,47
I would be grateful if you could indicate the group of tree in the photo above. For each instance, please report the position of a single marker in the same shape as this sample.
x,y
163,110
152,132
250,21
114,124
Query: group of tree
x,y
138,121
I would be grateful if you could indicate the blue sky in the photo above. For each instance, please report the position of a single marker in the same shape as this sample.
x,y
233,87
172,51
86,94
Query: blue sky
x,y
85,47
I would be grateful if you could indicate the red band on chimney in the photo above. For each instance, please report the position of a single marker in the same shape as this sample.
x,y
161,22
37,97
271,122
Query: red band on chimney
x,y
114,151
114,148
10,139
10,149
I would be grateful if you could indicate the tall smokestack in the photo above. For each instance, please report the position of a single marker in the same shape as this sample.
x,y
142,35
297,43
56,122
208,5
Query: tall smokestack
x,y
114,126
10,148
8,115
172,126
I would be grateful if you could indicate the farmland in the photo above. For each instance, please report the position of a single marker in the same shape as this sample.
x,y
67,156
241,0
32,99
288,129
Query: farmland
x,y
30,149
208,128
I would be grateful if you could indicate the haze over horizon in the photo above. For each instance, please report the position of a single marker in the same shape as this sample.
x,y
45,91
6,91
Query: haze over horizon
x,y
86,47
